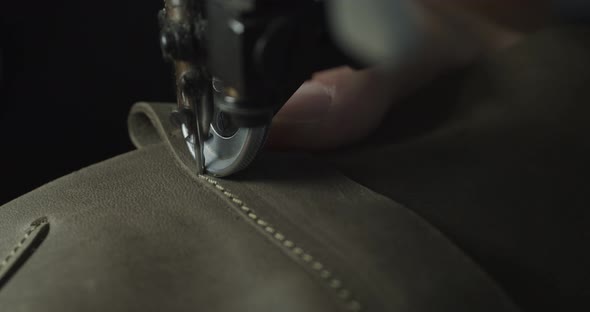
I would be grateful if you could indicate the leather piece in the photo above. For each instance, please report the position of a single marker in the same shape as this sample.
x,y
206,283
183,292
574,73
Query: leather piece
x,y
135,233
139,232
496,157
340,230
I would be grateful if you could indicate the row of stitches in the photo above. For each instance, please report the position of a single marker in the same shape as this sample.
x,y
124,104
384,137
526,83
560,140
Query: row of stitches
x,y
317,266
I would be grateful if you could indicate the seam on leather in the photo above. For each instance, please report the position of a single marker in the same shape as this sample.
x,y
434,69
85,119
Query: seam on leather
x,y
342,293
23,249
35,225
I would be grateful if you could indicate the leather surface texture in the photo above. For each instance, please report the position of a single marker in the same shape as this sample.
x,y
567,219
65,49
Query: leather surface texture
x,y
140,232
495,156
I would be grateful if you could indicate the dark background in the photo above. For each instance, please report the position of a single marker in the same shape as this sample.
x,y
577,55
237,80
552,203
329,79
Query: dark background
x,y
70,72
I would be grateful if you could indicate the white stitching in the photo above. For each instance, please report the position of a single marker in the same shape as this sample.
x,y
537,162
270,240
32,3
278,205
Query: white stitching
x,y
20,244
341,292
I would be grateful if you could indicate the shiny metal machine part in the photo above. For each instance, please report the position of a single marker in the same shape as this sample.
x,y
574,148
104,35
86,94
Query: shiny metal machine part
x,y
227,155
218,147
226,150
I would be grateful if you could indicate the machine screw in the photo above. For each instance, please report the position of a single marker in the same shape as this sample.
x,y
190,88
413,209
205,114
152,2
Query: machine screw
x,y
177,43
169,45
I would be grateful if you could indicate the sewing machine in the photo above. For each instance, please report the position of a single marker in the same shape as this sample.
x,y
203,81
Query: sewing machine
x,y
238,61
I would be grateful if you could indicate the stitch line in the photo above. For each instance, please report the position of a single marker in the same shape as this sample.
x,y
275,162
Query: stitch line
x,y
35,225
341,292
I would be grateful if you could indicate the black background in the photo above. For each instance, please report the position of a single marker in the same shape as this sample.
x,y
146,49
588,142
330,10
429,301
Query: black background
x,y
71,71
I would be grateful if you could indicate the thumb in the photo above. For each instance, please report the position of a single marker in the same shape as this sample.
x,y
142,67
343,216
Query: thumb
x,y
335,108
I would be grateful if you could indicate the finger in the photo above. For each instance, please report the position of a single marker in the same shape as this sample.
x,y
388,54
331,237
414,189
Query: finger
x,y
342,106
337,107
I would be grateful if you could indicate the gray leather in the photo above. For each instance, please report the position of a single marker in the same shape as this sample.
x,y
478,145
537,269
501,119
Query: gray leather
x,y
140,232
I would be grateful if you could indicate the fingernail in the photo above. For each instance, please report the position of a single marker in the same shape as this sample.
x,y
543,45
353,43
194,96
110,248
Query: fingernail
x,y
310,104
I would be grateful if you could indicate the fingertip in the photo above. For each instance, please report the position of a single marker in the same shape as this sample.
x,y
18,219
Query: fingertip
x,y
336,108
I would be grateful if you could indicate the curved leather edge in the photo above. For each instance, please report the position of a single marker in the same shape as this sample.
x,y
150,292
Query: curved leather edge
x,y
149,124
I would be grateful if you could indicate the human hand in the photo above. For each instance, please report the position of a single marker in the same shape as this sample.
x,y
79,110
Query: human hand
x,y
342,106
